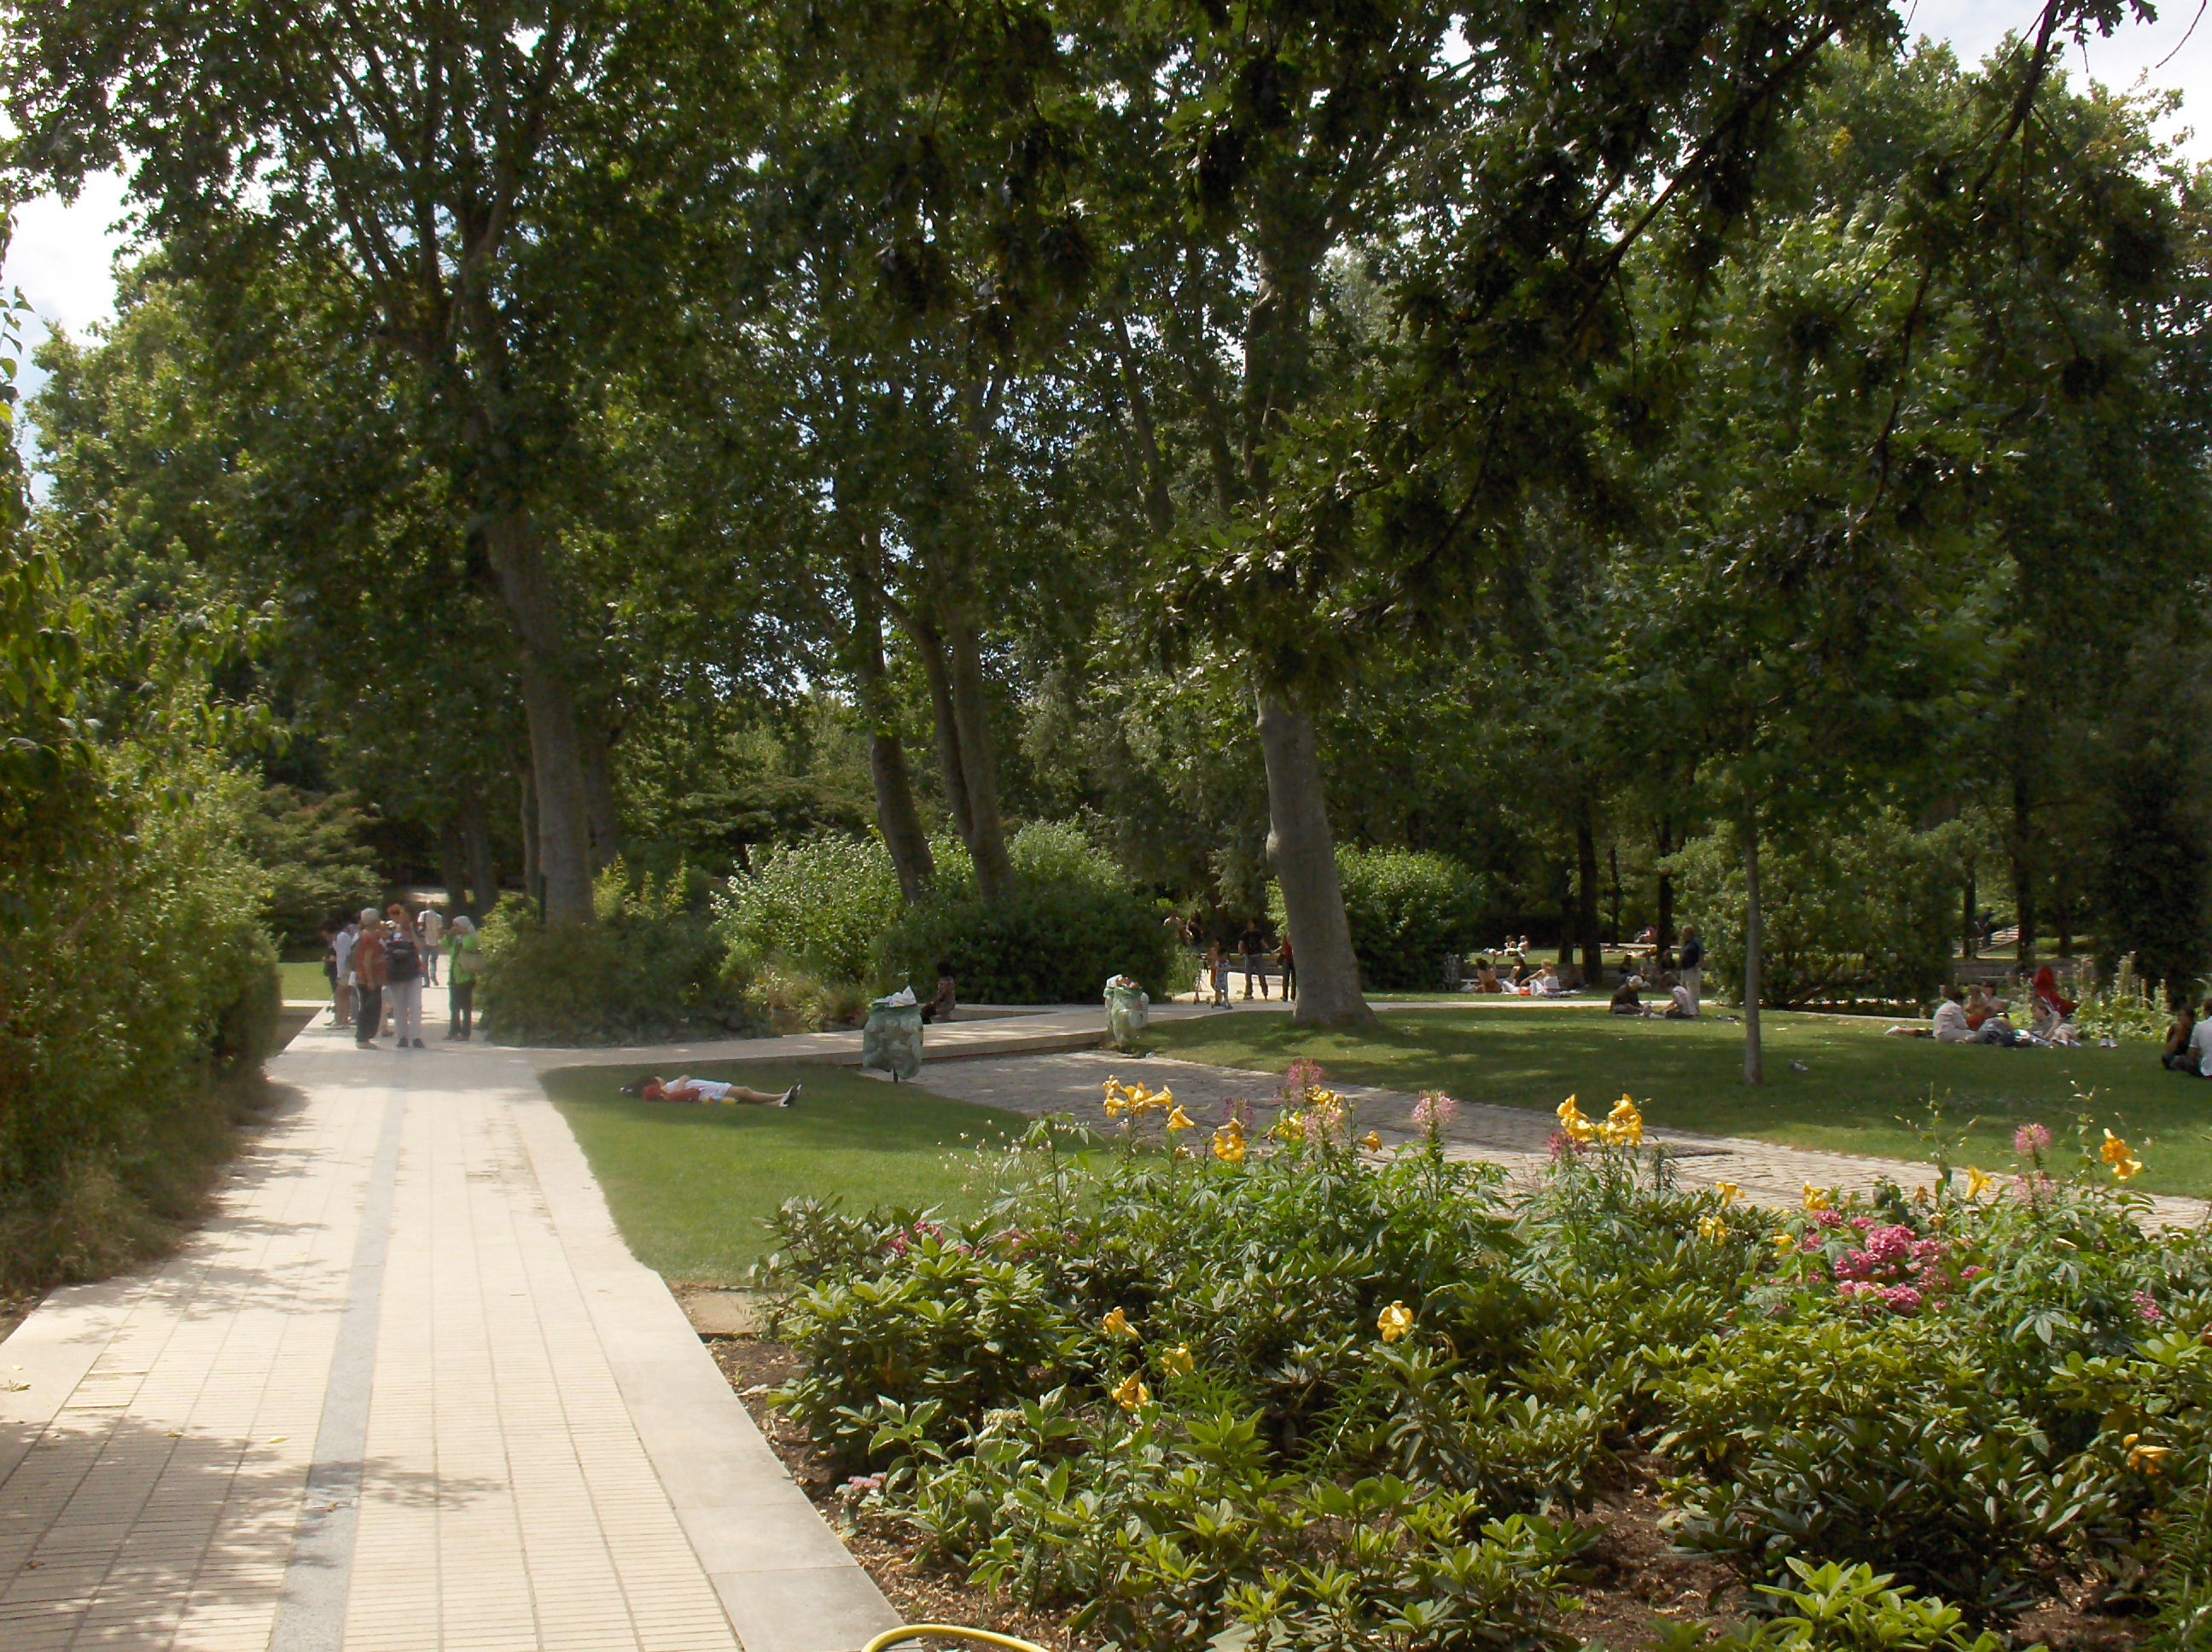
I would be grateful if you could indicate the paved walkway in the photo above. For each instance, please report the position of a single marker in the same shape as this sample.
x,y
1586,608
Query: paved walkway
x,y
1517,1138
407,1390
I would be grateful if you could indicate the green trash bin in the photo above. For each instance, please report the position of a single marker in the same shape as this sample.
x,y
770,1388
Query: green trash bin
x,y
1128,1012
891,1041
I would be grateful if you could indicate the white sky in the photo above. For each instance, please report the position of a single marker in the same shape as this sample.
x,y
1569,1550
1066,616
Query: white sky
x,y
62,256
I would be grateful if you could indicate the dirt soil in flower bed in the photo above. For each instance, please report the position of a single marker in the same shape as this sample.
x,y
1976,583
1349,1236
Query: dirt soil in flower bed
x,y
1637,1584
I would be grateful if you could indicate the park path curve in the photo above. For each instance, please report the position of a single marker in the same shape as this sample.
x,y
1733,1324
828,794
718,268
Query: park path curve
x,y
407,1389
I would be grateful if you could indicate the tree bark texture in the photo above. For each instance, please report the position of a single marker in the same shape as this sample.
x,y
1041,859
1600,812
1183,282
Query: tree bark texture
x,y
987,833
2023,869
562,826
1666,925
483,866
534,882
897,817
452,866
939,676
1969,918
1586,920
1754,942
599,798
1303,852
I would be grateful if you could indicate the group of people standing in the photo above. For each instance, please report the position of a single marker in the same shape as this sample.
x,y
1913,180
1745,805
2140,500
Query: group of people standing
x,y
1252,950
378,967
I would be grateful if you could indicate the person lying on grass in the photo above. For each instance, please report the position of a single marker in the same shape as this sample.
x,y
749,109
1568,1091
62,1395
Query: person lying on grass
x,y
706,1090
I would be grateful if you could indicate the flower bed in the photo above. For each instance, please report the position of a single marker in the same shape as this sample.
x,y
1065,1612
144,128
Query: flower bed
x,y
1286,1390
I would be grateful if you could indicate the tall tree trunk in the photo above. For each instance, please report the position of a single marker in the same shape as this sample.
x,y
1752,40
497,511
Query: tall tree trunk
x,y
452,866
897,817
1302,853
1754,943
599,805
1666,924
1612,870
533,877
2023,870
939,676
1970,927
483,867
517,555
987,834
1586,896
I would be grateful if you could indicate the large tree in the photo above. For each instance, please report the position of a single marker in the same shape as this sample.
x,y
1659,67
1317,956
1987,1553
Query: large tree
x,y
465,181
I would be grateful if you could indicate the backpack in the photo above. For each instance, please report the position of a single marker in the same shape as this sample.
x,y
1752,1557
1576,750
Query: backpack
x,y
401,961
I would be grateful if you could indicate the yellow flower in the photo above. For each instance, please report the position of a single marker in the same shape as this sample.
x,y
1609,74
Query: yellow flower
x,y
1228,1143
1572,1121
1977,1183
1161,1101
1177,1361
1624,1125
1729,1191
1395,1322
2146,1458
1291,1127
1179,1120
1117,1098
1711,1227
1116,1324
2117,1154
1132,1393
1372,1141
1785,1244
1817,1199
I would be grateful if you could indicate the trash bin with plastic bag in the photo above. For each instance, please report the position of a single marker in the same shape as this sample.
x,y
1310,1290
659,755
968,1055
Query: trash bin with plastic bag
x,y
1127,1012
891,1041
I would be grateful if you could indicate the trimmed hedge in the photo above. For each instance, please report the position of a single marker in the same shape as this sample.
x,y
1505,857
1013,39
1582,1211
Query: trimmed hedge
x,y
649,969
1051,944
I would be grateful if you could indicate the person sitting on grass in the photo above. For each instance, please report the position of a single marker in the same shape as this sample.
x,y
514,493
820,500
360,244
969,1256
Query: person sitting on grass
x,y
1546,983
1485,977
706,1090
1981,1004
2189,1042
1953,1027
1684,1004
2047,995
1625,999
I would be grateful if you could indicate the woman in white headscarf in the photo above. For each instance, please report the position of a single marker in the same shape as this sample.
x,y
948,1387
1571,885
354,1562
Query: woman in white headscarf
x,y
461,980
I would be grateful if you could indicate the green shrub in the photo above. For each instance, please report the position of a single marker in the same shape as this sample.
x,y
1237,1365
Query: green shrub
x,y
1407,909
310,848
1839,1608
649,969
143,998
1253,1391
1866,908
1056,852
821,907
1049,944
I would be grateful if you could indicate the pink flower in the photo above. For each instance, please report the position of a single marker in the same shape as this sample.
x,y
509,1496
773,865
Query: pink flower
x,y
1303,1076
1828,1219
1433,1112
2031,1140
1902,1299
1238,1113
1563,1145
2147,1307
1864,1224
1974,1272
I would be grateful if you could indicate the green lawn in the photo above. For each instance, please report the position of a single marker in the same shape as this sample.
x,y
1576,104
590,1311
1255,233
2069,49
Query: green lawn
x,y
1861,1092
305,981
690,1186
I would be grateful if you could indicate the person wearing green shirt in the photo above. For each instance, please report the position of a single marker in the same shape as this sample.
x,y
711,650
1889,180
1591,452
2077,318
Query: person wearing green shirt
x,y
467,954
